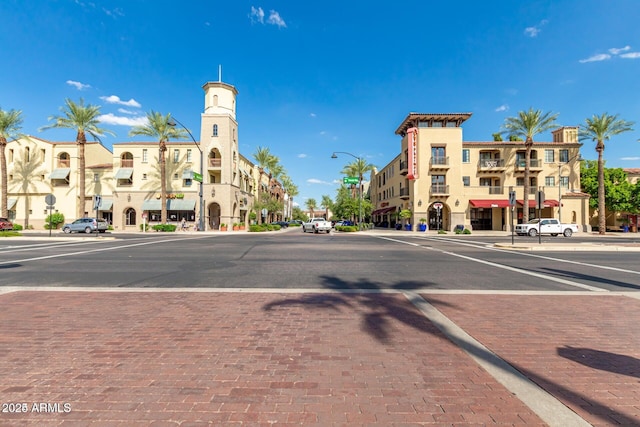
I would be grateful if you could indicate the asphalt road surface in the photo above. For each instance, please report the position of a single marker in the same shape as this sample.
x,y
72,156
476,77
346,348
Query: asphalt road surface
x,y
294,260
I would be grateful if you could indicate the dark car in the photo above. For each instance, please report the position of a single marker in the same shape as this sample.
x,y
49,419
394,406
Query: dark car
x,y
86,225
5,224
282,224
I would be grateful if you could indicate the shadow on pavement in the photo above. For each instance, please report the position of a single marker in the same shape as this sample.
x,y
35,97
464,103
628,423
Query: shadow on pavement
x,y
602,360
381,309
602,280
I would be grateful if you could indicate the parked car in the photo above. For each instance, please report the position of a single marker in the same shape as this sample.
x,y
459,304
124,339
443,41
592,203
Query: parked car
x,y
86,225
5,224
282,224
316,225
546,226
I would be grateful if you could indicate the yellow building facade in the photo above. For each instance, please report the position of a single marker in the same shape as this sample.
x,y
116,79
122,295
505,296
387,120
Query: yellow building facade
x,y
128,178
448,182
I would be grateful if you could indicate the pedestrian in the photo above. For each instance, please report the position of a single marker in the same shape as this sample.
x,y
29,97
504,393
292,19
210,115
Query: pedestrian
x,y
184,224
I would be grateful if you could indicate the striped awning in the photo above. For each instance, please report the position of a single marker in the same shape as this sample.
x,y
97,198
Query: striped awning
x,y
106,205
172,205
124,173
61,173
11,203
188,174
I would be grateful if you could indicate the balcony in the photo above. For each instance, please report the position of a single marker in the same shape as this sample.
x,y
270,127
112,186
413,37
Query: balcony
x,y
495,189
439,189
491,165
535,165
215,163
439,163
404,167
404,193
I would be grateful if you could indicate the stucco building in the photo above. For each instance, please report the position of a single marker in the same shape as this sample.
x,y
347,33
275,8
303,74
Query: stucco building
x,y
450,182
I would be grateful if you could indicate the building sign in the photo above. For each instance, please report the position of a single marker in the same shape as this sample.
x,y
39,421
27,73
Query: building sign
x,y
412,147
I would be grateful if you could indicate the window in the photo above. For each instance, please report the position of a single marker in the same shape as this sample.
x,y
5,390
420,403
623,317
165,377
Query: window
x,y
563,156
96,177
11,155
175,176
187,182
436,124
144,176
27,154
549,156
42,154
176,156
466,156
485,182
550,181
189,160
215,130
130,216
451,124
466,181
520,182
564,181
145,155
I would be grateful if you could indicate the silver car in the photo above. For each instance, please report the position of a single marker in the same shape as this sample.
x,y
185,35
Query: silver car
x,y
86,225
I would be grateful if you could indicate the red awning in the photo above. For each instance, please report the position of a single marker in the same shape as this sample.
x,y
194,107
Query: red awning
x,y
489,203
383,211
547,203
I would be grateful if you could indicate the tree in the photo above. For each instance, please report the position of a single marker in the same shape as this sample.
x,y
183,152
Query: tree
x,y
527,125
497,136
10,125
311,205
600,129
83,118
357,168
25,173
264,159
326,203
291,189
158,127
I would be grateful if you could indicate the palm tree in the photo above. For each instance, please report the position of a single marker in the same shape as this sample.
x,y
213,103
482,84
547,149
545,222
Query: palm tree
x,y
527,125
83,118
264,158
158,127
311,205
357,168
25,182
10,125
291,189
599,129
326,203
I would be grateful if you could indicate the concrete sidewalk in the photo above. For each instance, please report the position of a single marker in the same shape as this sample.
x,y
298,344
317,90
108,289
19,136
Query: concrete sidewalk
x,y
118,357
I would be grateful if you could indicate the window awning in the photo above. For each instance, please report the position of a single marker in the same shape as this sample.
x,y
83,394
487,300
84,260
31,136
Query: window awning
x,y
11,203
489,203
547,203
124,173
188,174
172,205
383,211
61,173
106,205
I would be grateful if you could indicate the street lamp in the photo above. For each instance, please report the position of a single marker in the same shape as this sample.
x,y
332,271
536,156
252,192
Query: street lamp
x,y
334,156
172,122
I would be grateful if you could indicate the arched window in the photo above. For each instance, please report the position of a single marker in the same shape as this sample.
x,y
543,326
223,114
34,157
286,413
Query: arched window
x,y
64,160
126,160
215,130
215,100
130,217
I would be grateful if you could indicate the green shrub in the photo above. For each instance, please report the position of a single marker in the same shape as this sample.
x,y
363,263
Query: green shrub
x,y
9,233
53,221
144,226
347,228
164,227
17,227
257,228
442,232
466,231
295,224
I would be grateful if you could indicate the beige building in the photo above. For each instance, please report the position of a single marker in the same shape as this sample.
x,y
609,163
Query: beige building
x,y
449,182
128,179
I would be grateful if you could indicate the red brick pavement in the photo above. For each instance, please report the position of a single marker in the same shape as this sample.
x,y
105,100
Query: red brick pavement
x,y
192,359
585,350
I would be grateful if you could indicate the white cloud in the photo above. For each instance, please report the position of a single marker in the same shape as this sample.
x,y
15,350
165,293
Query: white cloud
x,y
112,119
312,115
123,111
633,159
615,51
535,30
256,15
596,58
275,19
78,85
302,156
318,181
501,108
630,55
113,99
114,12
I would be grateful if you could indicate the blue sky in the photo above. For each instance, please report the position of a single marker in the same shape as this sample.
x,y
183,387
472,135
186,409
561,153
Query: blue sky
x,y
321,76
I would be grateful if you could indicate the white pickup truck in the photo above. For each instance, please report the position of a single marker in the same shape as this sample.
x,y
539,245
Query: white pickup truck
x,y
545,226
316,225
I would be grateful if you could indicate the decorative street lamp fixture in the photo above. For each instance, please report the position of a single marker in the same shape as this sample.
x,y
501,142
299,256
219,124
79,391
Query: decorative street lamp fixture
x,y
334,156
172,122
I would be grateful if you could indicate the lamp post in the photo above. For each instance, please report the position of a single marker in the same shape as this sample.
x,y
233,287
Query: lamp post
x,y
172,122
334,156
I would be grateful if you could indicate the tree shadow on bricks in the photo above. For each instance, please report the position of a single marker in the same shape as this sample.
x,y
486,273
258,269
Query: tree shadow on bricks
x,y
602,360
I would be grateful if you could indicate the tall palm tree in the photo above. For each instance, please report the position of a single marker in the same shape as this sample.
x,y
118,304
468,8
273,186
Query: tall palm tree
x,y
264,159
311,205
25,182
599,129
158,127
83,118
10,125
357,168
527,125
292,191
326,203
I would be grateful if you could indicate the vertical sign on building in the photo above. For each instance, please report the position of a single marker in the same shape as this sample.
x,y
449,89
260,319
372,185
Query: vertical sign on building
x,y
412,148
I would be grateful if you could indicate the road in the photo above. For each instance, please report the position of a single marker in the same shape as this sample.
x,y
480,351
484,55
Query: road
x,y
294,260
